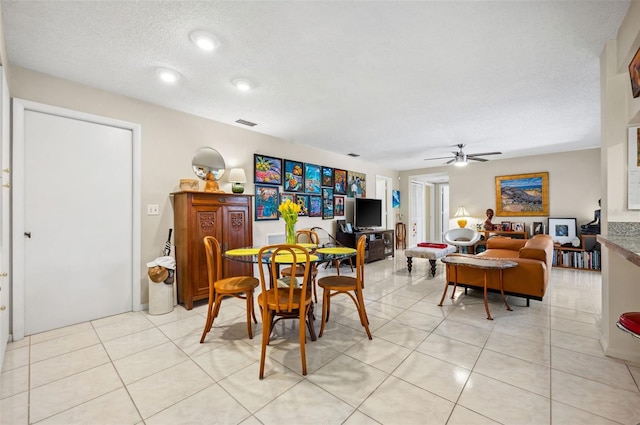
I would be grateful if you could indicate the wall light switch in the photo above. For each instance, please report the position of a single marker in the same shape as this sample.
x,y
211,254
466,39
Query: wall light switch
x,y
153,209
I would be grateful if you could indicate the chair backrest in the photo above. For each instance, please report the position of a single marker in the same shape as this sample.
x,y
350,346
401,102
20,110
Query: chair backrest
x,y
360,261
289,255
462,236
307,235
214,259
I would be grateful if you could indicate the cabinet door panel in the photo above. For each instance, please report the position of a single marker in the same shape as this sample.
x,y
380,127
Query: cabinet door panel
x,y
209,222
237,234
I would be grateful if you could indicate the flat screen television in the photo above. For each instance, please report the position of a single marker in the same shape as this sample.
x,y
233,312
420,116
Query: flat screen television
x,y
367,213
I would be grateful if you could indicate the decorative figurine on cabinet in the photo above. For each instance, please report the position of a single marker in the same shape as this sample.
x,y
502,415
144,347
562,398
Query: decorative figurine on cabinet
x,y
487,223
211,185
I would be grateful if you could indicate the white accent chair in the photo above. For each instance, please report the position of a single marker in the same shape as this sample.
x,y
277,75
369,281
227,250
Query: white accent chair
x,y
462,238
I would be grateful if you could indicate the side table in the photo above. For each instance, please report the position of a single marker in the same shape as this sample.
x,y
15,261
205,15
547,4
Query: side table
x,y
485,264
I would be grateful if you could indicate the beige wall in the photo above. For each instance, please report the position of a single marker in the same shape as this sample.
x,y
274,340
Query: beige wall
x,y
574,184
620,283
169,140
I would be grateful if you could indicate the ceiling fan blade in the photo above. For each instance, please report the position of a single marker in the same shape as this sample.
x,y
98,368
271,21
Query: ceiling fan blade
x,y
477,159
484,154
449,162
441,157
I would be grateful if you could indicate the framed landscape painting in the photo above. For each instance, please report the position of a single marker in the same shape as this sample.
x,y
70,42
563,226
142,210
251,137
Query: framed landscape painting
x,y
267,170
522,195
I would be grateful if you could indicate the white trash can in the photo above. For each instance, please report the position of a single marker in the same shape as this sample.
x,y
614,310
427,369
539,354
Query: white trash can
x,y
160,297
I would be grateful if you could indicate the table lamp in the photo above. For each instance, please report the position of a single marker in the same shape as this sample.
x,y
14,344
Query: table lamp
x,y
462,215
238,179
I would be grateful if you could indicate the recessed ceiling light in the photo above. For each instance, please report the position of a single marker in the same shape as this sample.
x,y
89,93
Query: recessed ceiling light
x,y
204,40
242,84
168,75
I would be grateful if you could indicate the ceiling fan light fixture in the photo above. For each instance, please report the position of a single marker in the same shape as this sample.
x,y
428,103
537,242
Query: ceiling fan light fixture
x,y
461,160
167,75
204,40
242,84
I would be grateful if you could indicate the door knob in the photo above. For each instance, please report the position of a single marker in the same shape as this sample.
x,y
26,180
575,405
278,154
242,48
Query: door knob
x,y
28,234
3,307
4,274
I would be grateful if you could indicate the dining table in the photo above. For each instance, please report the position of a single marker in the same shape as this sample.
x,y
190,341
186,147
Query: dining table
x,y
318,254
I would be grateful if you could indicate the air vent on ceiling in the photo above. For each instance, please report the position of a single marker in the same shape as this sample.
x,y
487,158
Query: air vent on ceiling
x,y
355,155
247,123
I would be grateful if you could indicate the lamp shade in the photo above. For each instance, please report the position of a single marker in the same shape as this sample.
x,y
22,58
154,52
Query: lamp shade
x,y
462,215
236,175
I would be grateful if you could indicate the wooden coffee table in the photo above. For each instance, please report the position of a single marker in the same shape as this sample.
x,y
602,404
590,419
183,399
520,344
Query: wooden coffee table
x,y
474,262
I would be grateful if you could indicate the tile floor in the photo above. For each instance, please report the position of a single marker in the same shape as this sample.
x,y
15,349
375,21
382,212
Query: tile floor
x,y
425,364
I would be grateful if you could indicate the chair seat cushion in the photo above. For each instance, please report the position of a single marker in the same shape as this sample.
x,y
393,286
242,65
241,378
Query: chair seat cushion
x,y
337,283
236,284
631,321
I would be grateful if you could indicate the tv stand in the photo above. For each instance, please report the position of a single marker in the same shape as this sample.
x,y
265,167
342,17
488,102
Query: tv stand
x,y
379,243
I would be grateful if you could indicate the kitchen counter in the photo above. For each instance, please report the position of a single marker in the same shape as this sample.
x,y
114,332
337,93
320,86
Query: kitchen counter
x,y
626,246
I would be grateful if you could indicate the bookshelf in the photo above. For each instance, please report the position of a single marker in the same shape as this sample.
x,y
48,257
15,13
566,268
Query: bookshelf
x,y
585,257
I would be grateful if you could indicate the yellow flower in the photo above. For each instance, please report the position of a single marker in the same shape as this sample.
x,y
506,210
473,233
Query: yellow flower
x,y
289,211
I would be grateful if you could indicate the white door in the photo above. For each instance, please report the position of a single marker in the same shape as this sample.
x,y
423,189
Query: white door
x,y
76,237
5,207
416,228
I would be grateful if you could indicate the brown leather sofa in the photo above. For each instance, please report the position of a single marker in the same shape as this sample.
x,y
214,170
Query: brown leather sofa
x,y
528,280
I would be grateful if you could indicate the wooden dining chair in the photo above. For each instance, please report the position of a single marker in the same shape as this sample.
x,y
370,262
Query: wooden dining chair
x,y
351,286
284,301
219,288
308,236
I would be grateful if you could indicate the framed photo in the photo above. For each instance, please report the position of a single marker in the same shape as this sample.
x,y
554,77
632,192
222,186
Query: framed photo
x,y
356,185
634,74
537,228
303,201
293,176
312,179
395,199
517,227
339,182
505,226
315,206
562,230
327,177
522,195
267,170
267,200
338,206
327,203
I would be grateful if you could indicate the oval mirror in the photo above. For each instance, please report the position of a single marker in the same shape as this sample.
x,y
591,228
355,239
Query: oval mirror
x,y
208,160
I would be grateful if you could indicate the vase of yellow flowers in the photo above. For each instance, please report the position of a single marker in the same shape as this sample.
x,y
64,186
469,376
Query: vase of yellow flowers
x,y
289,211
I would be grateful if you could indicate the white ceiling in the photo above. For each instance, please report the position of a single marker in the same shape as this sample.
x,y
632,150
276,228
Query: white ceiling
x,y
395,82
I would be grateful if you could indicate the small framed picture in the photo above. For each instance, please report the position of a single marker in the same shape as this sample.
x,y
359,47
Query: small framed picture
x,y
293,176
315,206
518,227
303,201
339,182
562,230
267,169
338,206
312,179
327,203
538,228
327,177
505,226
267,200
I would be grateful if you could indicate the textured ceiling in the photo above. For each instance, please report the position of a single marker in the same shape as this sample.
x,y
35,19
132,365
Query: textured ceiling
x,y
396,82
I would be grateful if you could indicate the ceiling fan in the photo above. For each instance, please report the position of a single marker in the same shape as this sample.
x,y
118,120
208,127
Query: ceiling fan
x,y
460,158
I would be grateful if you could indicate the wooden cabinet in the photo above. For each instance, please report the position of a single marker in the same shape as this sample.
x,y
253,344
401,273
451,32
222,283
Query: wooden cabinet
x,y
227,217
379,243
